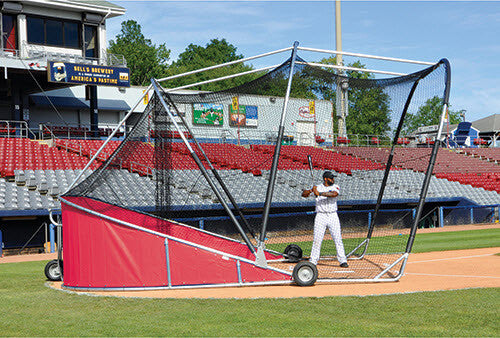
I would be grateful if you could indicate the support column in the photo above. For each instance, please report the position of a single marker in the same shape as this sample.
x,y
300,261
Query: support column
x,y
52,236
94,112
22,35
16,106
26,110
340,99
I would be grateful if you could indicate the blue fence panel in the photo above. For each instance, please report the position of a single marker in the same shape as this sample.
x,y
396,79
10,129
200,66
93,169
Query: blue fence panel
x,y
483,215
358,220
469,215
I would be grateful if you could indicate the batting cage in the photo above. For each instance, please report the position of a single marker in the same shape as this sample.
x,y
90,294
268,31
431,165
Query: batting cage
x,y
245,153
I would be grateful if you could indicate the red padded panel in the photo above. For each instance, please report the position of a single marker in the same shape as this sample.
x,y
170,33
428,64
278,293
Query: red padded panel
x,y
101,253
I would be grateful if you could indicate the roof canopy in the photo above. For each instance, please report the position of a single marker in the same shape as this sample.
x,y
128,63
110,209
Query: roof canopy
x,y
490,124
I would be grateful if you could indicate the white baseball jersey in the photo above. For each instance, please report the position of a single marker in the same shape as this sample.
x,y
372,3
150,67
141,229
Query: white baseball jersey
x,y
327,204
326,217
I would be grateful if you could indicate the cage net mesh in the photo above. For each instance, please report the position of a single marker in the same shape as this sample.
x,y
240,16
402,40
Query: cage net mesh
x,y
152,170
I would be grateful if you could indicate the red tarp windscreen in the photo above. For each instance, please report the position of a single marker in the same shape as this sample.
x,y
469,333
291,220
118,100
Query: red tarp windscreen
x,y
100,253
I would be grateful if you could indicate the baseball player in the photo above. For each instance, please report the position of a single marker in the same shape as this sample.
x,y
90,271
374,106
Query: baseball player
x,y
326,216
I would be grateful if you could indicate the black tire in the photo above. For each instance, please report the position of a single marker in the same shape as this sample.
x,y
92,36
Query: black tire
x,y
53,271
305,273
293,252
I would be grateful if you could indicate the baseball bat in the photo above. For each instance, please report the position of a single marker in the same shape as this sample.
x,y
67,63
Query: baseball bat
x,y
309,160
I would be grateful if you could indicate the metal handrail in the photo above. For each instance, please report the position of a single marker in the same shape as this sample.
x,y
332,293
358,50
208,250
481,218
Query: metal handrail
x,y
51,211
81,130
36,53
13,126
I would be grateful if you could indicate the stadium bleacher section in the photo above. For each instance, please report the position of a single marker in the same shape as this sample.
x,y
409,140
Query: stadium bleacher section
x,y
450,164
21,153
33,174
488,154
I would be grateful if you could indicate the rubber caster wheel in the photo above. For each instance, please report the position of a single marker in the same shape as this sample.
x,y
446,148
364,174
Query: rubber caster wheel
x,y
305,273
293,252
52,270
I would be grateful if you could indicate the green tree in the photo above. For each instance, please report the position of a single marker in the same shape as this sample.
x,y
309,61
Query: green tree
x,y
369,112
216,52
145,59
368,107
429,114
304,84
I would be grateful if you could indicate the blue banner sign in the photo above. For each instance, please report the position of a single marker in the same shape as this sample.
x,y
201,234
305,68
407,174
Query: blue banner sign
x,y
65,72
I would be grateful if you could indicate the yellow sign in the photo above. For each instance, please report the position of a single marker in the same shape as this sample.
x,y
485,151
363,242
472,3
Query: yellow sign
x,y
312,108
145,99
235,104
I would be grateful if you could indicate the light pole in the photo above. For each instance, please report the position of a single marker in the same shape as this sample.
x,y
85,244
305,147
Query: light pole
x,y
341,92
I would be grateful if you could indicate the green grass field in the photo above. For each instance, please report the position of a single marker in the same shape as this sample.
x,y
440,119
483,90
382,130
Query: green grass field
x,y
31,309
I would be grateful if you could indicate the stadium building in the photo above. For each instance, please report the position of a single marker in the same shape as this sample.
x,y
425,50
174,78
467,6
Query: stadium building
x,y
482,133
50,126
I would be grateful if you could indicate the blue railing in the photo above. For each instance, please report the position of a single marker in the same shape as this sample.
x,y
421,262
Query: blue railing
x,y
362,217
470,214
457,215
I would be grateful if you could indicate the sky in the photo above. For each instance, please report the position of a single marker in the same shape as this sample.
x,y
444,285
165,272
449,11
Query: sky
x,y
466,33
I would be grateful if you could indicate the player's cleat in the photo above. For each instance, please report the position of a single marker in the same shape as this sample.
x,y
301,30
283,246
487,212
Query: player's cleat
x,y
344,265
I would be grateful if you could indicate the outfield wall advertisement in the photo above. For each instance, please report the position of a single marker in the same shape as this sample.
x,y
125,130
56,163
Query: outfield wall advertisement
x,y
247,116
208,114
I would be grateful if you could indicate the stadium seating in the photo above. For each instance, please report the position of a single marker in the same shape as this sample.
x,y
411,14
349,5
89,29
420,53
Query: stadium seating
x,y
480,142
20,153
6,129
321,159
489,154
488,181
448,163
33,173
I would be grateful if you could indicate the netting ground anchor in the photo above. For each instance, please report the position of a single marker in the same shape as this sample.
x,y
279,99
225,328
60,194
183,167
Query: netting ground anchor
x,y
260,257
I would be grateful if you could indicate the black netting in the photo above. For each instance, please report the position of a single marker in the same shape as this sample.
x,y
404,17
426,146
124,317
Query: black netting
x,y
153,170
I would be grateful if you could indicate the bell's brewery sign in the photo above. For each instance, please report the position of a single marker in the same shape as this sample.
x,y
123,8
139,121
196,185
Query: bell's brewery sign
x,y
76,73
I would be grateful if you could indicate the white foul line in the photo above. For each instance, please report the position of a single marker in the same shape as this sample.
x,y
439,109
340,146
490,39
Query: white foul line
x,y
435,274
448,259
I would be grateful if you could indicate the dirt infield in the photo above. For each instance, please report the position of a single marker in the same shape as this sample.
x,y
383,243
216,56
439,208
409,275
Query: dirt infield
x,y
431,271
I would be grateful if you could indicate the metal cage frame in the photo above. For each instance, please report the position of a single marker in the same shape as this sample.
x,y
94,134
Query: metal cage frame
x,y
259,249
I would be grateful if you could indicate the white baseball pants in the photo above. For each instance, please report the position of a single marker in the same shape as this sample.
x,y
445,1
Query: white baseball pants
x,y
321,222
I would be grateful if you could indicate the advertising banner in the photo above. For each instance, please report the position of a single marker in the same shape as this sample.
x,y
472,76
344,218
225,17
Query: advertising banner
x,y
208,114
235,103
308,111
312,107
252,116
65,72
246,116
